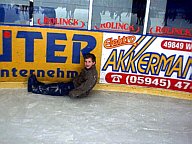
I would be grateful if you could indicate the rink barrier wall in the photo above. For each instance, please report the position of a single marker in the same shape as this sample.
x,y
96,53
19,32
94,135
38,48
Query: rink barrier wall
x,y
118,88
121,59
147,61
53,54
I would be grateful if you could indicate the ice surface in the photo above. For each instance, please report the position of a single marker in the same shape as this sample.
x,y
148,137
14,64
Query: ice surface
x,y
102,118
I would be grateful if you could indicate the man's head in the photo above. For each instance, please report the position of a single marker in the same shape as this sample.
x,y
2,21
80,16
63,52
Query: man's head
x,y
89,60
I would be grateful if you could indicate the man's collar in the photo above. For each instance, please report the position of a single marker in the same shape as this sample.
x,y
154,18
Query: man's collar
x,y
90,68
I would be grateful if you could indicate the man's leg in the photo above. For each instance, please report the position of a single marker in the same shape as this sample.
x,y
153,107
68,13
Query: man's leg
x,y
54,89
32,83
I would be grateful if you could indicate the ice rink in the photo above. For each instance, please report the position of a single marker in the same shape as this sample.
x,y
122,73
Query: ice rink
x,y
103,118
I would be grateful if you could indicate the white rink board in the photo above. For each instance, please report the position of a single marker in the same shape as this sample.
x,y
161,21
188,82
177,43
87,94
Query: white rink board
x,y
147,61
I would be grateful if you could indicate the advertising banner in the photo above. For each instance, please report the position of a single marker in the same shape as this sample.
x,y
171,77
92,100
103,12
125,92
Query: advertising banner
x,y
147,61
53,54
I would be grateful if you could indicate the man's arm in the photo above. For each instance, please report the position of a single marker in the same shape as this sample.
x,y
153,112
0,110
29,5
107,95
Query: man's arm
x,y
85,86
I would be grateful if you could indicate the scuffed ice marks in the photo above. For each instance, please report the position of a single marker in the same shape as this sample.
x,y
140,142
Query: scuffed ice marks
x,y
102,118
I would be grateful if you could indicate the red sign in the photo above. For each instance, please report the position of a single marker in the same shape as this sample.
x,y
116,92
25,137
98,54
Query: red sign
x,y
176,45
61,22
149,81
171,31
119,27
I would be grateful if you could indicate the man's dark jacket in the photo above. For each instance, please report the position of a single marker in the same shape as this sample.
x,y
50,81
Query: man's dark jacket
x,y
84,82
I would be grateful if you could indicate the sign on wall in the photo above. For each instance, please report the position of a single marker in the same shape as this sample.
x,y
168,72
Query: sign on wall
x,y
147,61
53,54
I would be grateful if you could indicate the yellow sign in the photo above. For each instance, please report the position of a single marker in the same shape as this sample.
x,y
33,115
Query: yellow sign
x,y
53,54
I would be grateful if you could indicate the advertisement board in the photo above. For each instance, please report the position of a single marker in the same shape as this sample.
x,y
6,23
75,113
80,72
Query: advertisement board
x,y
53,54
147,61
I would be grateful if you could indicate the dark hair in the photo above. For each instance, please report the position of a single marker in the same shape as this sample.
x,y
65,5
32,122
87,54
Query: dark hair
x,y
90,55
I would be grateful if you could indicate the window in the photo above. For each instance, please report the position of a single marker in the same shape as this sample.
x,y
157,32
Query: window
x,y
119,15
61,13
14,12
171,17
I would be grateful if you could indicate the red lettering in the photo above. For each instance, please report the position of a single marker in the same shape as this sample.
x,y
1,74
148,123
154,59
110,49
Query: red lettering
x,y
158,29
112,43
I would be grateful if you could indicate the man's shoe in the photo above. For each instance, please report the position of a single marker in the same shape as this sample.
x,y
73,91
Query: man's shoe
x,y
32,82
